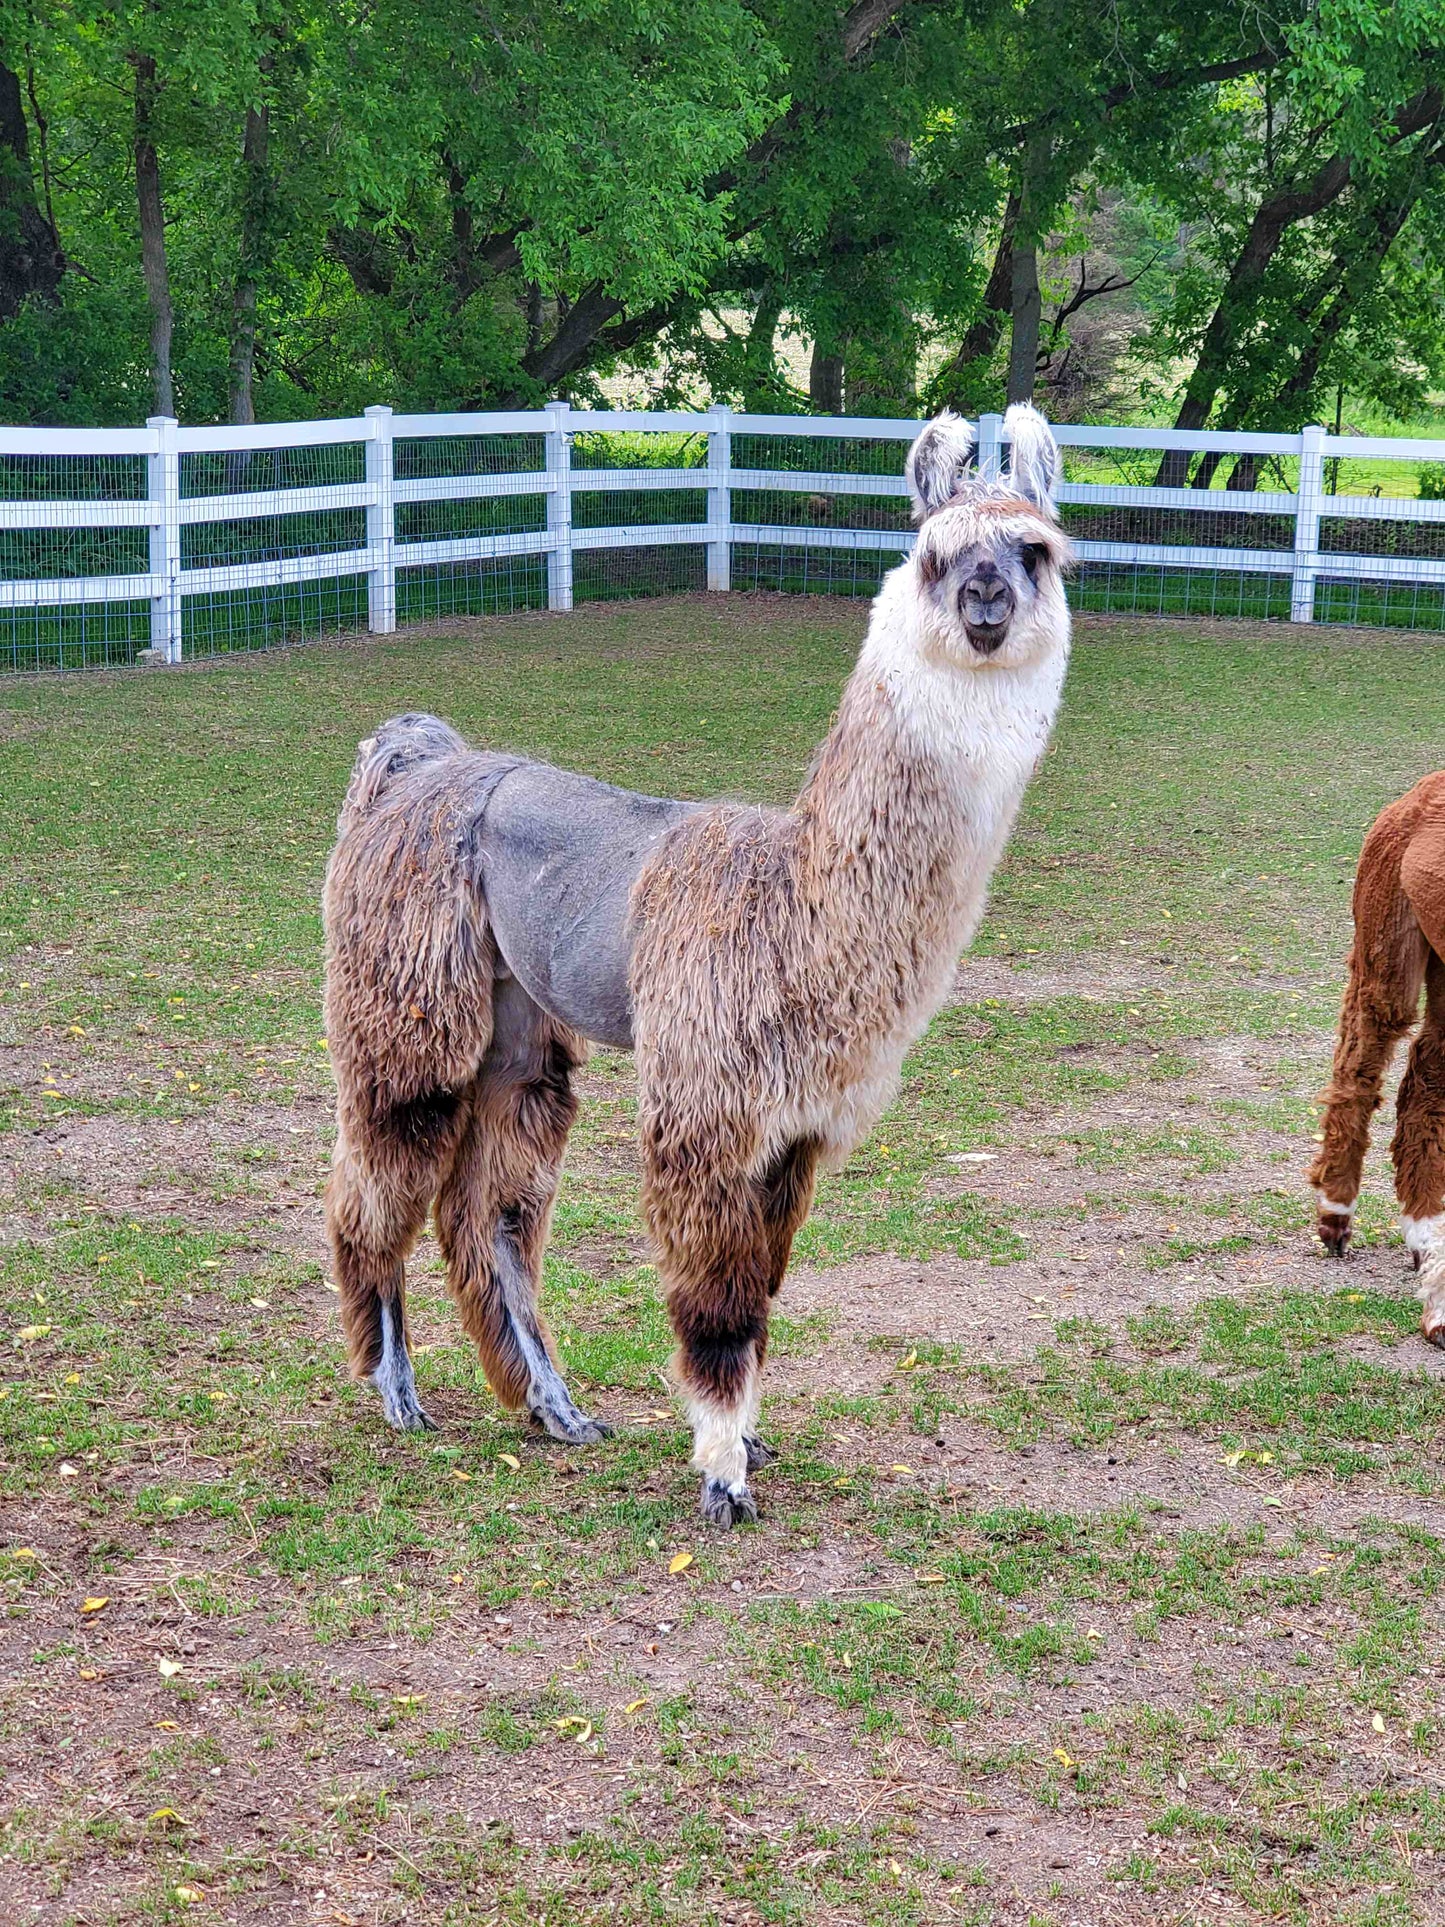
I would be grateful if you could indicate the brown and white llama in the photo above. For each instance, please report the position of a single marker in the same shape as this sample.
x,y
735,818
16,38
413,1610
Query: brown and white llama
x,y
1399,947
486,914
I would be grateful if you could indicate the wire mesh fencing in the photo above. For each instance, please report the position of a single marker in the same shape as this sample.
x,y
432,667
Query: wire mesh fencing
x,y
173,542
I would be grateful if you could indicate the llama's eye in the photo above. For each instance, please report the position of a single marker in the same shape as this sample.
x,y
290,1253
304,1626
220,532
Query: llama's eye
x,y
1031,554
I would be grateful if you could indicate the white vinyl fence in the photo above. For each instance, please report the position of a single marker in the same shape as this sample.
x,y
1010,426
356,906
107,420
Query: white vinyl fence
x,y
193,541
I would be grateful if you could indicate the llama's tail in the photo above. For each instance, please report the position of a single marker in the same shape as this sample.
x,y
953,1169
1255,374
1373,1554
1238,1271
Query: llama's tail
x,y
401,744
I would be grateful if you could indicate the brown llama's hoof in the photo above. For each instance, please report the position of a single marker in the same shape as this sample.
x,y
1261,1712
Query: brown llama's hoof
x,y
759,1452
1333,1230
727,1507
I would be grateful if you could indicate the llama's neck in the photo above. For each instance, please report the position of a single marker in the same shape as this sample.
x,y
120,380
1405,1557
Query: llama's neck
x,y
911,800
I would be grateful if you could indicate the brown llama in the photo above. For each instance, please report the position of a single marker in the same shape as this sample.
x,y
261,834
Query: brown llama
x,y
486,914
1399,946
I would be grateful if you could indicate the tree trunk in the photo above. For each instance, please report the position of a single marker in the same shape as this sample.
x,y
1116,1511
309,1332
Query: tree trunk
x,y
1027,306
1025,297
825,381
994,310
153,232
254,195
1279,212
31,262
760,366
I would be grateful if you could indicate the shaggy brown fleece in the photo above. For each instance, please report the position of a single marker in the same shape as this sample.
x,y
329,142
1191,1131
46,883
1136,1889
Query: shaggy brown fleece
x,y
1399,948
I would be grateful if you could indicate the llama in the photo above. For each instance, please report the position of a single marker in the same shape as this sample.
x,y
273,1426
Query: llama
x,y
486,915
1399,910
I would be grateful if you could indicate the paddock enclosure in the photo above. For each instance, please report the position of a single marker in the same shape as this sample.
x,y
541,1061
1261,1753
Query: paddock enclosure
x,y
1099,1579
205,540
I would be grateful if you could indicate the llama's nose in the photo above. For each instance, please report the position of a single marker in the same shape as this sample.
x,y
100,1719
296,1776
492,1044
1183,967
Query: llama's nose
x,y
987,597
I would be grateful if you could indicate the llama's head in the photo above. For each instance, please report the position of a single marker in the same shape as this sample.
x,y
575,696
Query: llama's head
x,y
990,556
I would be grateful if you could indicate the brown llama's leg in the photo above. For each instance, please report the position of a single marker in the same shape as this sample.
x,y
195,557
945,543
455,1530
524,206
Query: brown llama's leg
x,y
375,1209
787,1197
1418,1149
716,1259
1381,1001
495,1208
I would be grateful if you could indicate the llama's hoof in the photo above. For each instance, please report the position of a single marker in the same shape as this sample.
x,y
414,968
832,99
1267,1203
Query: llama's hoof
x,y
1334,1233
1435,1332
726,1506
570,1425
407,1414
759,1452
1415,1260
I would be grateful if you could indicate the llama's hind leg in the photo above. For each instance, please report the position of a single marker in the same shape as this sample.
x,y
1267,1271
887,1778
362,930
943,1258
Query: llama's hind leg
x,y
373,1222
715,1260
787,1197
495,1208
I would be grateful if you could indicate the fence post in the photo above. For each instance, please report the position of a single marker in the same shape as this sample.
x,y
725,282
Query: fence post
x,y
559,505
719,498
1307,525
380,526
989,460
163,486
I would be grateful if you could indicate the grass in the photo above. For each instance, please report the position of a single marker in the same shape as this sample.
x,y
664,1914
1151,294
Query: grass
x,y
1101,1570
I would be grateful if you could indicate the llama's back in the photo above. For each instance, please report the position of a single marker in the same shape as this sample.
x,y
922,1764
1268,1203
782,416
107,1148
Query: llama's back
x,y
1399,895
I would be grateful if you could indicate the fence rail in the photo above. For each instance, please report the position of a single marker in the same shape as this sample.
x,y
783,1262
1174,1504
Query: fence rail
x,y
170,541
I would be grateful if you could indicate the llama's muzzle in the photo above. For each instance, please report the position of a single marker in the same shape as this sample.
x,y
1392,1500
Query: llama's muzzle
x,y
987,607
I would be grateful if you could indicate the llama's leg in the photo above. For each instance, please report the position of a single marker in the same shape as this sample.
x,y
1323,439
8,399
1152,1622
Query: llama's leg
x,y
787,1197
494,1210
1381,1000
373,1218
715,1259
1419,1144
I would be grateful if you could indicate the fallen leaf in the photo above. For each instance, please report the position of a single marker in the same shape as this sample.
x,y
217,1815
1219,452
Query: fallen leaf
x,y
1093,1633
96,1603
69,1471
262,1304
1272,1500
636,1706
164,1814
848,1661
22,1552
895,1869
1062,1757
907,1470
932,1578
168,1726
907,1364
409,1699
457,1473
28,1333
1378,1722
168,1668
1233,1458
511,1461
679,1562
89,1672
189,1895
72,1378
1181,1783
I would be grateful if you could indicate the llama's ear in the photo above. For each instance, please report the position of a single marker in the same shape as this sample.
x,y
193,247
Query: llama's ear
x,y
939,461
1035,468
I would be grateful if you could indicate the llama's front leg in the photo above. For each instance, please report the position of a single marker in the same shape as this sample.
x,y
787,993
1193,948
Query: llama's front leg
x,y
1379,1007
1418,1149
713,1251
